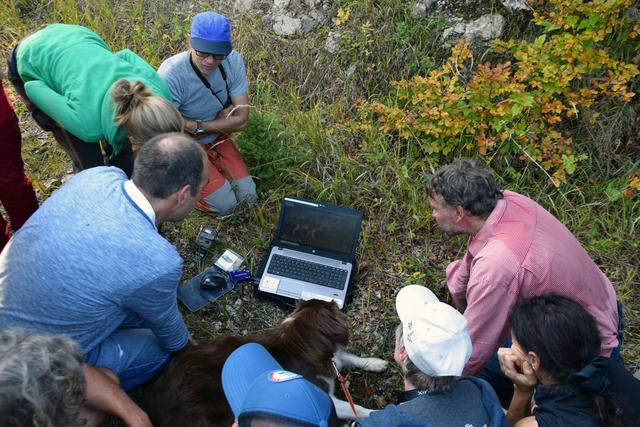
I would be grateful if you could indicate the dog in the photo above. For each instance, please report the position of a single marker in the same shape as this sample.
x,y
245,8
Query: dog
x,y
308,342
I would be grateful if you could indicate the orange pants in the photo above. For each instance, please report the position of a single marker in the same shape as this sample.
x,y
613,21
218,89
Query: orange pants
x,y
229,178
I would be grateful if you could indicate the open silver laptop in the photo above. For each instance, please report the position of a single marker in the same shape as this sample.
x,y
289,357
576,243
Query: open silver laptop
x,y
313,252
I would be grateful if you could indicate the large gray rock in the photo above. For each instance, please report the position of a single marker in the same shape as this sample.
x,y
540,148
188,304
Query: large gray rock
x,y
285,25
483,29
637,374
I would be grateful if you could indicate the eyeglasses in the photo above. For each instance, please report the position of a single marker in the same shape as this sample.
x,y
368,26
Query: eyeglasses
x,y
213,55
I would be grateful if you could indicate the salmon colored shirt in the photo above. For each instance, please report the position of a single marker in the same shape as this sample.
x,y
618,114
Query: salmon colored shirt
x,y
523,251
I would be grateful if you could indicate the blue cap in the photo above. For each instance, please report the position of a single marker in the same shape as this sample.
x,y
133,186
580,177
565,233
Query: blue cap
x,y
211,33
255,383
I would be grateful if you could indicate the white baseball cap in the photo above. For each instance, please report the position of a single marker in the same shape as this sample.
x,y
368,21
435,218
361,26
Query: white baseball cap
x,y
435,334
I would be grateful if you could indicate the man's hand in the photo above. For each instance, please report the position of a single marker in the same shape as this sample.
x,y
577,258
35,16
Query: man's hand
x,y
190,126
227,112
104,395
517,369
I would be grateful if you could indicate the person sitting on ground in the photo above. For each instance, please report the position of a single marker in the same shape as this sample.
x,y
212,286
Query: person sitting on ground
x,y
516,250
432,346
554,359
90,263
261,393
42,383
86,95
208,84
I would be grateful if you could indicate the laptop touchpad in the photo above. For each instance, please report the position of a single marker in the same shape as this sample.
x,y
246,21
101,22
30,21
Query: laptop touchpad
x,y
290,287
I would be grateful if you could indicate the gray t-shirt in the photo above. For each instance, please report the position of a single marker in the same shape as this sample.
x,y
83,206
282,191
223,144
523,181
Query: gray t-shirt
x,y
192,98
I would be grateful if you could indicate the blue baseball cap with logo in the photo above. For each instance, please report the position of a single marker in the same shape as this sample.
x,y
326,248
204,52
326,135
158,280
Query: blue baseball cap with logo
x,y
258,389
211,33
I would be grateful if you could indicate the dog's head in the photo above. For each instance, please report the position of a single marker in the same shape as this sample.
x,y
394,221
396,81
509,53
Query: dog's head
x,y
315,330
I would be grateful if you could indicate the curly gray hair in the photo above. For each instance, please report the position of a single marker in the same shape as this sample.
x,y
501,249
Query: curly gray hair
x,y
41,380
466,183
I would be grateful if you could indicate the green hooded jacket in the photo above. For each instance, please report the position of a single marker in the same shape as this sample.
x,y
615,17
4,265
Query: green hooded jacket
x,y
68,72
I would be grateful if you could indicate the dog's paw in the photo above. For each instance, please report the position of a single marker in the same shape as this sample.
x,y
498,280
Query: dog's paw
x,y
373,364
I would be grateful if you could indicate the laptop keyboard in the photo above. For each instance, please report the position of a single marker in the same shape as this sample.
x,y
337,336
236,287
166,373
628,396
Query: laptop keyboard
x,y
307,271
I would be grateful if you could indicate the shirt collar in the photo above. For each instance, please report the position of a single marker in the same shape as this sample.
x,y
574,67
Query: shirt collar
x,y
481,238
140,200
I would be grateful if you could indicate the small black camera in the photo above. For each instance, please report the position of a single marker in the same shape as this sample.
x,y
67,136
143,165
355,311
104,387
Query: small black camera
x,y
205,238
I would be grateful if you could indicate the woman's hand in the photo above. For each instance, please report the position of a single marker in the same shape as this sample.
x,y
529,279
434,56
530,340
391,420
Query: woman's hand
x,y
516,367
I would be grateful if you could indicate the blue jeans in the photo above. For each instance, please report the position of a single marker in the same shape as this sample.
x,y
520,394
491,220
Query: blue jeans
x,y
503,385
134,354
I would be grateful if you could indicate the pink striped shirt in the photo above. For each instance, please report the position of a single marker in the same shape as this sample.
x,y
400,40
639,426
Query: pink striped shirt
x,y
523,251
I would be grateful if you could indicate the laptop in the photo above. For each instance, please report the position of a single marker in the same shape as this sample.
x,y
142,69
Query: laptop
x,y
313,252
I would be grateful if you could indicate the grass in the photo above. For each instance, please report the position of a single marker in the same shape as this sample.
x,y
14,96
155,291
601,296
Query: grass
x,y
297,143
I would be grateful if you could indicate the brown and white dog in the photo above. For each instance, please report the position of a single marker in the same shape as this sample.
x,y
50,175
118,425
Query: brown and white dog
x,y
189,390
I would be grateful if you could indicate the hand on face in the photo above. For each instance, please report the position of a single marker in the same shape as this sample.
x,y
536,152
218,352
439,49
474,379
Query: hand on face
x,y
517,368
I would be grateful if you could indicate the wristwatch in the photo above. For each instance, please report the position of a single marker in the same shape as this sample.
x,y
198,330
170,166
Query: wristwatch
x,y
199,130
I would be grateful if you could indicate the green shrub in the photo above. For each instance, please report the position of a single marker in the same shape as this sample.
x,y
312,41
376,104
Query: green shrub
x,y
269,151
520,107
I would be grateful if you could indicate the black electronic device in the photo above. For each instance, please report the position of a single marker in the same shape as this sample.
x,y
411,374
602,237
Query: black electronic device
x,y
212,280
204,240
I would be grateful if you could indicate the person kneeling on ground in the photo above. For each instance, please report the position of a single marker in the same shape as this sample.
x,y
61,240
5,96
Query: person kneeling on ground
x,y
432,347
90,263
554,359
261,393
42,383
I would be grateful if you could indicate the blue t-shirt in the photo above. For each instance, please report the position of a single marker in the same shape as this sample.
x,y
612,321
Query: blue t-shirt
x,y
192,98
88,260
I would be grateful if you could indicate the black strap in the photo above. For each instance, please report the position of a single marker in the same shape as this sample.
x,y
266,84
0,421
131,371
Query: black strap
x,y
206,83
405,396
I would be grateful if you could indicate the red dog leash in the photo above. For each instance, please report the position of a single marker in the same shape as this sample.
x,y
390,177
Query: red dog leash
x,y
345,389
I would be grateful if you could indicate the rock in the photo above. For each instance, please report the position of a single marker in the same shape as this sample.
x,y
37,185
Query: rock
x,y
245,5
516,5
319,17
332,44
485,28
285,25
307,24
637,374
281,4
420,7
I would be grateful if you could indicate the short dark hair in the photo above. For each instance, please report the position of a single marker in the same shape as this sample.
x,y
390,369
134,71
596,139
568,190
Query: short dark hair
x,y
166,163
468,184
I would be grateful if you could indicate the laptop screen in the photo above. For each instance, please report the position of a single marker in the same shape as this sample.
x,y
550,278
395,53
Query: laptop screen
x,y
327,228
